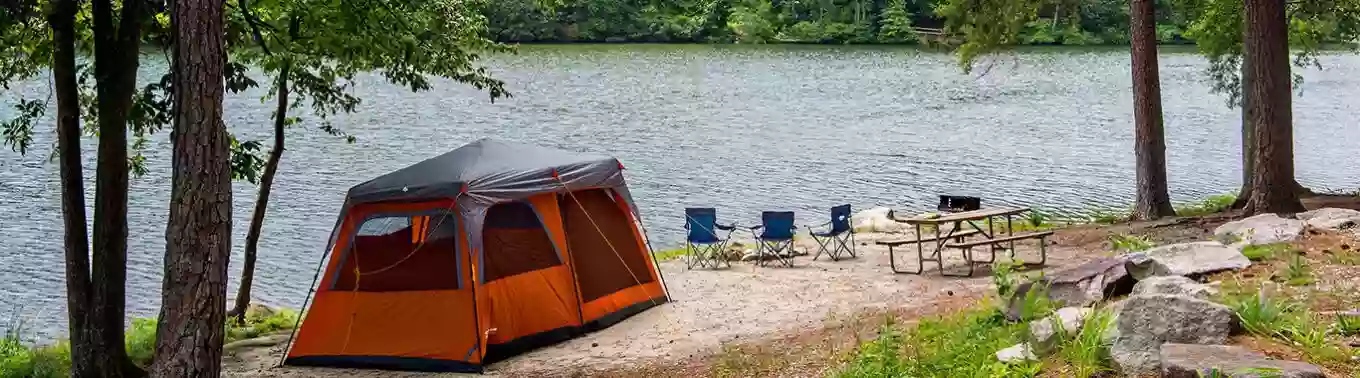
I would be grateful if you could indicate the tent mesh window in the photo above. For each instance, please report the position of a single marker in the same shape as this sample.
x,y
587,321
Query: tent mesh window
x,y
604,248
515,242
402,253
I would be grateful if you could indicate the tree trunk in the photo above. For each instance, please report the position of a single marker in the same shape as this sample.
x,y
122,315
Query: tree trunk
x,y
1149,144
62,20
1248,141
190,333
262,203
115,70
1267,49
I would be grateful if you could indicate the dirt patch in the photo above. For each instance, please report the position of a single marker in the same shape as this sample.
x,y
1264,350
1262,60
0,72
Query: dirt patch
x,y
765,320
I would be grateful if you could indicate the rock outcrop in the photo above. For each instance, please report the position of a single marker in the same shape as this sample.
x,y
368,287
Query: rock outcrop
x,y
1079,286
1143,323
1259,229
1331,218
1194,361
1172,285
1185,259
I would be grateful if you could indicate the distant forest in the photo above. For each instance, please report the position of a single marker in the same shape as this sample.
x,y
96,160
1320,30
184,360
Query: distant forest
x,y
1093,22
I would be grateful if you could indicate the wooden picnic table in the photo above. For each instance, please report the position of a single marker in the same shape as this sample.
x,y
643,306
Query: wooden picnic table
x,y
955,235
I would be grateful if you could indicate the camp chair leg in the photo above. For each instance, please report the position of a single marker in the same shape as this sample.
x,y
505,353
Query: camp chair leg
x,y
821,243
841,247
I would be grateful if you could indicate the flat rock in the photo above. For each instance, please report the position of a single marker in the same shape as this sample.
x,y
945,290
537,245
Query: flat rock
x,y
1143,323
1172,285
1016,353
1079,286
1045,334
1190,361
1185,259
1331,218
1259,229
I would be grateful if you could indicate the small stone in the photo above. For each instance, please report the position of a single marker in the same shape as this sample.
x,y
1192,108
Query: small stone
x,y
1345,247
1017,353
1044,333
950,292
592,345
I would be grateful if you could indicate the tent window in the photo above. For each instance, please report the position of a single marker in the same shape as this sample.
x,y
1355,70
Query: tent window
x,y
402,253
604,248
515,242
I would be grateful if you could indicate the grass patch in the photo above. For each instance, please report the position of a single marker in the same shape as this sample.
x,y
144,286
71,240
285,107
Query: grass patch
x,y
18,360
1297,272
1264,252
669,254
1211,205
1347,325
1261,314
1130,243
1088,353
959,345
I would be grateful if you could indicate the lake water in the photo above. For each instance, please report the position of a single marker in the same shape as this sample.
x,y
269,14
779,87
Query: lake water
x,y
743,129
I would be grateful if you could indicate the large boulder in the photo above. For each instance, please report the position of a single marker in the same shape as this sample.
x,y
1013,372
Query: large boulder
x,y
1190,361
1047,333
1078,286
1172,285
878,219
1143,323
1185,259
1260,229
1331,218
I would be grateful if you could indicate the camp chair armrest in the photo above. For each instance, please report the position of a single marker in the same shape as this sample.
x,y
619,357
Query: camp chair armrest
x,y
756,227
725,227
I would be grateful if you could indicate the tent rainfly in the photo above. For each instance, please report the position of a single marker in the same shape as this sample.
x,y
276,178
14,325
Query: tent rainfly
x,y
476,255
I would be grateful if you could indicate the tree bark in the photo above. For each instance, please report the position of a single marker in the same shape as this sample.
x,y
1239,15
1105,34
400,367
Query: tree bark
x,y
115,67
190,333
262,202
1267,49
62,21
1152,200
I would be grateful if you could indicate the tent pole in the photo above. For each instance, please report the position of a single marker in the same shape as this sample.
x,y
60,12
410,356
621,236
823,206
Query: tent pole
x,y
311,289
652,252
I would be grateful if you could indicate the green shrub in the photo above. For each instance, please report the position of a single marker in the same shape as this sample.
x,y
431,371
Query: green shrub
x,y
21,361
140,341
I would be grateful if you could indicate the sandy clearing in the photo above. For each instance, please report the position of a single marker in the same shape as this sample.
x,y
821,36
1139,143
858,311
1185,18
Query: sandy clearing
x,y
713,307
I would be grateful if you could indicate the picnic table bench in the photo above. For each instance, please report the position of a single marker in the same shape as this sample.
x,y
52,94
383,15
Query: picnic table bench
x,y
956,237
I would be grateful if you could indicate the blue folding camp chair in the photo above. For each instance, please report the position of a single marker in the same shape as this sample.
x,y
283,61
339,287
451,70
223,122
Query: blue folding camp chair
x,y
775,238
839,240
703,246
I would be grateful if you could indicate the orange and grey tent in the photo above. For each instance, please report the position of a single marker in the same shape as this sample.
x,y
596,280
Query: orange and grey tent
x,y
481,253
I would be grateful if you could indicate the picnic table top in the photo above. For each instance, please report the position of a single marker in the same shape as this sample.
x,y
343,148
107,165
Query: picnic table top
x,y
965,216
